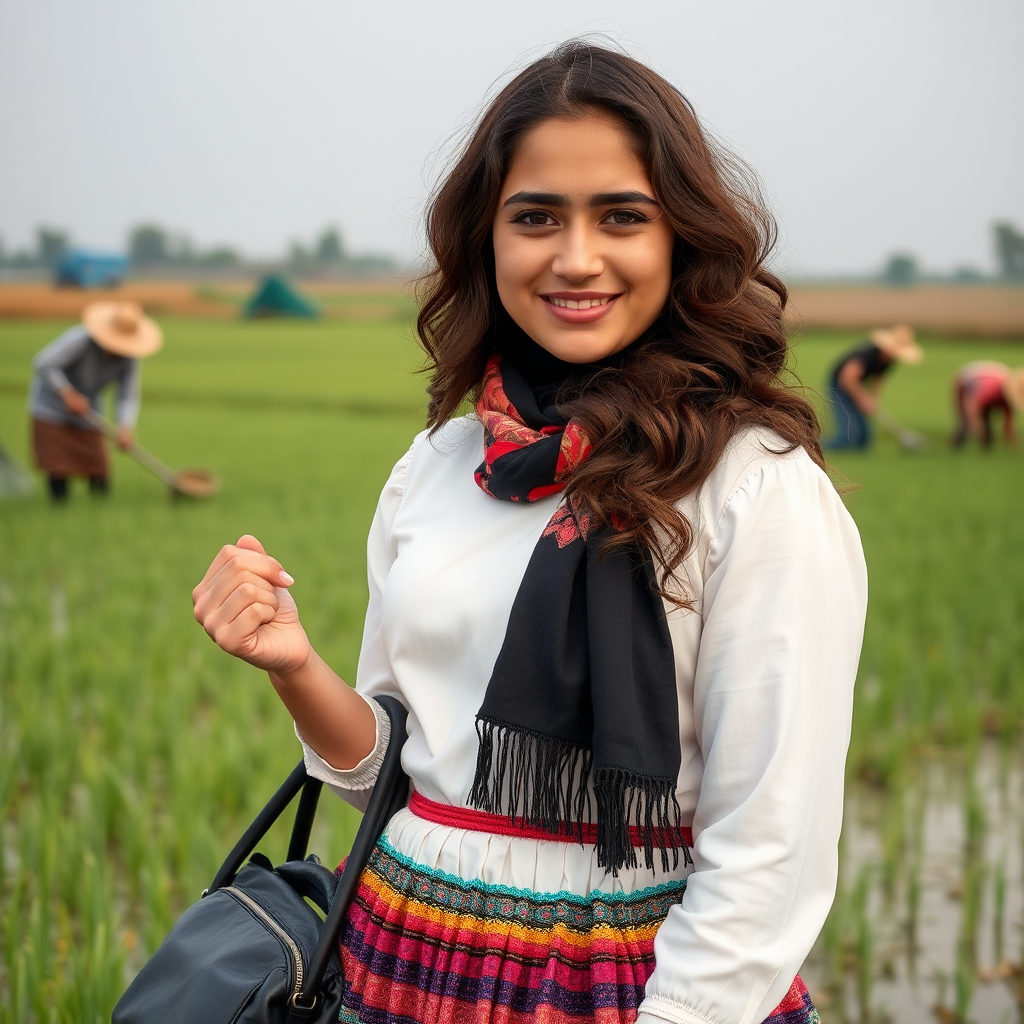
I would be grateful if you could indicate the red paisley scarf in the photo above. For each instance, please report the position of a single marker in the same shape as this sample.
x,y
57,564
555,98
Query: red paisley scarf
x,y
582,700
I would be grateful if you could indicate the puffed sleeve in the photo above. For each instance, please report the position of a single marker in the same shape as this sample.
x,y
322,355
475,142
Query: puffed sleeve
x,y
373,675
784,599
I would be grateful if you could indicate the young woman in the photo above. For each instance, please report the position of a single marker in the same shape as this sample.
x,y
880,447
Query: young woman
x,y
622,601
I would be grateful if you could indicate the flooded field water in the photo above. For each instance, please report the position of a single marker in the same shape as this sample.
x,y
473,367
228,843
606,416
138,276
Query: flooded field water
x,y
928,924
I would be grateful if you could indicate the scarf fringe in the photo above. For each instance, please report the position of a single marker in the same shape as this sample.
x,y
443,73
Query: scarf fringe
x,y
543,781
626,799
526,775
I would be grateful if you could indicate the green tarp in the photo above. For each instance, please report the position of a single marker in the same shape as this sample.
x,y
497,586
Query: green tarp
x,y
276,297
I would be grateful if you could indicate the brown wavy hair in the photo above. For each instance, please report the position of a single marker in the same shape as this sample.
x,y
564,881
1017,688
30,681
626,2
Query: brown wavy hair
x,y
714,361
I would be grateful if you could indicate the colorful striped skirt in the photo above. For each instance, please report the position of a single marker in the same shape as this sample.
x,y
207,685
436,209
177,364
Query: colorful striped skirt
x,y
423,947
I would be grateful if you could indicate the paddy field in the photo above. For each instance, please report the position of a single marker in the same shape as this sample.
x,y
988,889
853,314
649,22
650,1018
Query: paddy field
x,y
132,751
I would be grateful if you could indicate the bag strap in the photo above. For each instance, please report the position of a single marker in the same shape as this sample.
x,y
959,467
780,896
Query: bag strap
x,y
304,816
276,805
388,796
310,788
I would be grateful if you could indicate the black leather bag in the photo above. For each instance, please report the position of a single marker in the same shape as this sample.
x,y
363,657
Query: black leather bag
x,y
252,950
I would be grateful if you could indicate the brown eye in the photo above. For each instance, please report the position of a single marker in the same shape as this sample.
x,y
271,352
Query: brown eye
x,y
626,218
534,219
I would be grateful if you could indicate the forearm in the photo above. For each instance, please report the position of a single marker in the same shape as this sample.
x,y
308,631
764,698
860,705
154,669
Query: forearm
x,y
128,396
336,722
972,414
55,378
851,381
864,398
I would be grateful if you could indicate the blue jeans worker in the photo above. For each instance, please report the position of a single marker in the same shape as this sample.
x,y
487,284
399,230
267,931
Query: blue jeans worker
x,y
856,383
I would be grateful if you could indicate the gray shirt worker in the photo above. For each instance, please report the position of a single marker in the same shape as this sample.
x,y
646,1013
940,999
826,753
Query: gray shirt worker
x,y
75,359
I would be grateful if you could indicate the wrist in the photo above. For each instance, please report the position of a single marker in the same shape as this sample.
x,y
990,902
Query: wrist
x,y
291,677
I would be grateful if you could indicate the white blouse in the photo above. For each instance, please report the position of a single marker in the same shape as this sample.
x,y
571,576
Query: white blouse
x,y
765,665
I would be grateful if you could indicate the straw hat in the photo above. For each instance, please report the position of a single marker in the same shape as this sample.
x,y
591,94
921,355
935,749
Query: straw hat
x,y
1013,387
898,343
122,328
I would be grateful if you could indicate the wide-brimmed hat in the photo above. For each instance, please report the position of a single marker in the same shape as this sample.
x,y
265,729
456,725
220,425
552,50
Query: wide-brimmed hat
x,y
122,328
1013,387
898,343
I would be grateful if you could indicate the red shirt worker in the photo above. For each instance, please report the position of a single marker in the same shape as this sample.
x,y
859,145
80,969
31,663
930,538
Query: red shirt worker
x,y
980,389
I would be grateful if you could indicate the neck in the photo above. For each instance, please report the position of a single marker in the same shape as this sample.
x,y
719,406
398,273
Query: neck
x,y
545,373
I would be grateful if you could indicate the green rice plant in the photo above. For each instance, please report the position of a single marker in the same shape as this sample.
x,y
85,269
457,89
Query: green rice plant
x,y
999,907
865,943
966,972
834,943
916,801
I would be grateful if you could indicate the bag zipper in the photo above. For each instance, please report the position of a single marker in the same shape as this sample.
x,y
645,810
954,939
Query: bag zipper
x,y
249,902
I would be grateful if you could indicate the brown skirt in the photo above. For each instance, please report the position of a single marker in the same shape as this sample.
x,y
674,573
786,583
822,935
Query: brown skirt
x,y
69,451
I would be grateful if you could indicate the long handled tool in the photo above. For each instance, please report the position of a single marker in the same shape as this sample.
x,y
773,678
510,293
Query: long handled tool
x,y
908,439
192,483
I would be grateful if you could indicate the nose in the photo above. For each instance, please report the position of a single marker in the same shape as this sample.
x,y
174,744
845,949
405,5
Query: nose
x,y
579,255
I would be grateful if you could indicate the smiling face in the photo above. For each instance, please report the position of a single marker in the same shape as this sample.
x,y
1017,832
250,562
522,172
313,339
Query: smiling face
x,y
582,250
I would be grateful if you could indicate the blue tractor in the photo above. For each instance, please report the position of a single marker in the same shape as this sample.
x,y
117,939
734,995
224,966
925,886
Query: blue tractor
x,y
88,268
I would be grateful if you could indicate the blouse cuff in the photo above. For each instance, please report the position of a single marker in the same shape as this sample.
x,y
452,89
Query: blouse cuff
x,y
364,774
662,1010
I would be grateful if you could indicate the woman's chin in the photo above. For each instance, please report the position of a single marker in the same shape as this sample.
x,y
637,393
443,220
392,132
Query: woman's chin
x,y
579,345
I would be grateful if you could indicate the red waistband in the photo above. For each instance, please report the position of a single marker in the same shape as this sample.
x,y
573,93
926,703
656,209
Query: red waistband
x,y
502,825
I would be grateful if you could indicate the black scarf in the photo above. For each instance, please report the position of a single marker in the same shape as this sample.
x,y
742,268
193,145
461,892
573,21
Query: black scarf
x,y
584,686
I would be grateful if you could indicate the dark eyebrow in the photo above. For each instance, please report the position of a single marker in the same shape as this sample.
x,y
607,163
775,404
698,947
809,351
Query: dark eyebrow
x,y
538,198
614,198
598,199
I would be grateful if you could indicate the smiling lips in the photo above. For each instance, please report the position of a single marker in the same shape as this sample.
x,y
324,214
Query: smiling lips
x,y
579,307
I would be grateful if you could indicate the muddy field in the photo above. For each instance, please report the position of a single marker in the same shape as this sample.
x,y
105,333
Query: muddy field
x,y
219,299
973,311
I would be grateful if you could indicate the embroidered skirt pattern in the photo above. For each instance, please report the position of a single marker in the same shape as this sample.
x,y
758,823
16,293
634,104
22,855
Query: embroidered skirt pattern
x,y
424,947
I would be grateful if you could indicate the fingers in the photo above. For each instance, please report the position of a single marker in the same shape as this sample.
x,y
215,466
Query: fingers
x,y
218,591
250,543
234,558
233,621
239,594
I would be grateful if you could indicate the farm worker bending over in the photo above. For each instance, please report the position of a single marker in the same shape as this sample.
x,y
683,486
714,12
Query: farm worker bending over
x,y
857,381
979,389
68,376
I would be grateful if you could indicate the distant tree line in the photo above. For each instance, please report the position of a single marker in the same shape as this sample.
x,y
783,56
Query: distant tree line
x,y
902,269
151,248
328,252
1010,251
50,246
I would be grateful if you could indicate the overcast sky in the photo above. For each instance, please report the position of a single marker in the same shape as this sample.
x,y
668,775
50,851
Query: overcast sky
x,y
877,126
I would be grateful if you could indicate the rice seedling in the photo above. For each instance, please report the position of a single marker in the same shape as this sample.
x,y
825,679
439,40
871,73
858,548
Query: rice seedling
x,y
865,944
998,907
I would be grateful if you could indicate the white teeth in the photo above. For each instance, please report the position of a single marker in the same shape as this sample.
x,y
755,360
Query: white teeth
x,y
577,303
